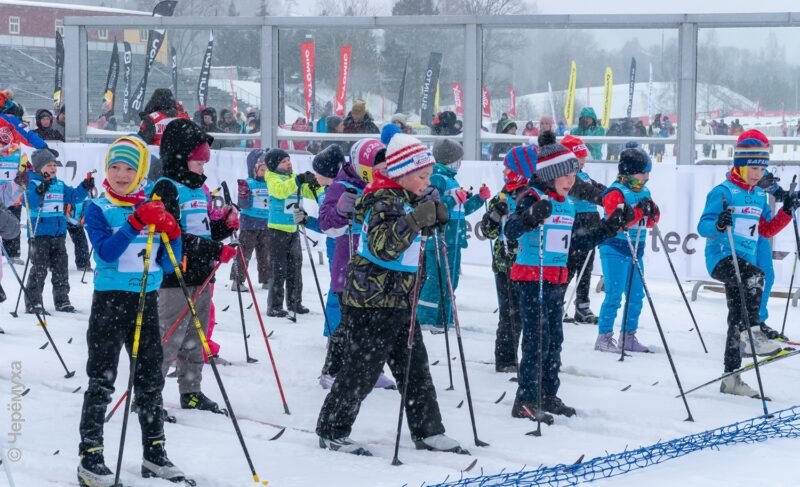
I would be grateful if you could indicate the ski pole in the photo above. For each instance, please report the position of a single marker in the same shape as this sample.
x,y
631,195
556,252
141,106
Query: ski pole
x,y
410,344
458,340
137,332
42,321
792,187
199,327
743,305
30,245
314,267
658,325
578,280
540,338
680,286
624,328
83,277
442,314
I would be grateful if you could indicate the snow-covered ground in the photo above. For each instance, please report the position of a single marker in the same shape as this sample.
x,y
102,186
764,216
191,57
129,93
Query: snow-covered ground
x,y
205,445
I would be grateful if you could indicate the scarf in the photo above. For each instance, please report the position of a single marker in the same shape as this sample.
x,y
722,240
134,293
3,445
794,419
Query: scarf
x,y
130,199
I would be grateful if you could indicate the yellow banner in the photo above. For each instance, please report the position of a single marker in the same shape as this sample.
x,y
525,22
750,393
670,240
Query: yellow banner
x,y
569,106
436,99
607,88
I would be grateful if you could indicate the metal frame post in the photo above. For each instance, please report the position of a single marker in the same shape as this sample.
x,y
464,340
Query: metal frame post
x,y
687,91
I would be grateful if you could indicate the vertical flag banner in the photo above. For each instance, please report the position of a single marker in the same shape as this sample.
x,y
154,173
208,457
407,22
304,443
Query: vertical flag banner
x,y
608,86
111,79
512,102
650,95
127,67
429,85
281,96
154,40
401,96
58,95
569,105
436,99
234,102
458,97
307,68
173,59
552,100
344,75
486,103
631,85
205,73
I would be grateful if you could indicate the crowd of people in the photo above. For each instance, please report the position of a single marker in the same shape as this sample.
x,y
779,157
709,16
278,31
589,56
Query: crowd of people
x,y
393,211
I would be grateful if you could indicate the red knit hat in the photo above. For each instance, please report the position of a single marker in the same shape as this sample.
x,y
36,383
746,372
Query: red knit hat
x,y
576,145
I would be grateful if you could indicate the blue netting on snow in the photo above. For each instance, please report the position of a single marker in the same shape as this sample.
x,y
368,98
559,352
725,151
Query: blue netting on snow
x,y
781,424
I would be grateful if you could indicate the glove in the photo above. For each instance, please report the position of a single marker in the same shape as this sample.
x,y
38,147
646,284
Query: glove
x,y
431,193
300,216
244,189
88,184
227,254
499,210
22,179
724,220
346,204
307,178
231,216
169,226
620,218
423,216
537,213
791,202
42,188
769,182
150,213
442,213
485,193
460,196
648,208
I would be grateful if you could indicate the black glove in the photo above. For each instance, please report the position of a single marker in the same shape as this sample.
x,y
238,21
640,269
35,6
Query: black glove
x,y
724,220
442,214
307,178
424,216
88,184
22,178
537,213
42,188
791,202
648,208
769,181
299,216
620,218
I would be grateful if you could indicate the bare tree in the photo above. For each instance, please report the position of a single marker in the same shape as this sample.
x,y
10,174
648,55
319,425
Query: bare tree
x,y
486,7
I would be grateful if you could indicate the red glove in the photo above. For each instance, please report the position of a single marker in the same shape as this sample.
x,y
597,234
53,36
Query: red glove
x,y
150,213
231,218
244,189
227,254
485,193
460,196
169,226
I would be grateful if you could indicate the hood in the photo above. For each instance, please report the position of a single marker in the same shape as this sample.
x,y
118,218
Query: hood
x,y
588,112
180,138
252,159
209,111
162,100
41,113
505,124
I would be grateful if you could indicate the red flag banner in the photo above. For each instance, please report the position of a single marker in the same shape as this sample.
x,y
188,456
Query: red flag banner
x,y
344,75
458,96
486,103
307,63
512,102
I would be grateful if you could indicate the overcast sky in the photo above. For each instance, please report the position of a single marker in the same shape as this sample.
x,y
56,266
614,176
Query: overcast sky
x,y
665,6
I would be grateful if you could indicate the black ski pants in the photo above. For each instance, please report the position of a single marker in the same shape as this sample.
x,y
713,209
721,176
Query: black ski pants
x,y
48,253
286,262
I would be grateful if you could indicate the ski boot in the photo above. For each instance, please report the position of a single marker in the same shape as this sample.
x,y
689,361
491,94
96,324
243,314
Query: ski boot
x,y
198,400
156,464
554,405
773,334
299,309
606,343
736,386
632,343
764,346
344,445
277,313
440,443
92,469
524,409
385,382
584,315
65,308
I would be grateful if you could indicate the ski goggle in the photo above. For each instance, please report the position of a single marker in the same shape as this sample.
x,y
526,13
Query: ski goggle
x,y
635,184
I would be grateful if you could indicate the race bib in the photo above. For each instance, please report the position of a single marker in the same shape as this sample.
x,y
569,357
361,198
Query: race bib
x,y
557,240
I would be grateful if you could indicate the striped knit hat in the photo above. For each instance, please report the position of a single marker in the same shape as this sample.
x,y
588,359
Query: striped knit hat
x,y
130,150
555,161
521,160
752,149
406,154
576,145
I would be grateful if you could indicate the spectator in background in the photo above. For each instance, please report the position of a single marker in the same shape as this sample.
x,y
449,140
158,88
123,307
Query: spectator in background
x,y
335,125
44,126
446,124
546,122
254,127
359,121
615,130
722,127
159,111
736,128
705,130
530,130
60,122
639,130
797,129
562,128
588,126
503,118
209,124
229,125
656,129
784,129
401,121
499,150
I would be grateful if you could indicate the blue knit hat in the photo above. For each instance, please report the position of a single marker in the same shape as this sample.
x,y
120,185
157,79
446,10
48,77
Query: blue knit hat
x,y
388,131
752,149
522,160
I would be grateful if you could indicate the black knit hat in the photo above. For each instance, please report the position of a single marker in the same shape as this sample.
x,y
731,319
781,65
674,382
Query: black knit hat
x,y
634,160
447,151
329,161
180,138
554,161
274,157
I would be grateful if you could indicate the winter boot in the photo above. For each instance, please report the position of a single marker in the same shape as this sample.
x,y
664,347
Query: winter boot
x,y
440,443
65,308
344,445
36,309
3,296
524,409
773,334
92,470
86,268
384,382
736,386
17,261
554,405
632,343
326,381
156,464
238,287
299,309
198,400
584,315
506,369
764,346
606,343
277,313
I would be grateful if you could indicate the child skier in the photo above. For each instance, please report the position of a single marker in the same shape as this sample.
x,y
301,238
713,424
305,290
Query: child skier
x,y
46,197
542,223
460,204
184,152
11,160
615,254
738,205
286,256
377,307
118,224
588,194
519,166
254,203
